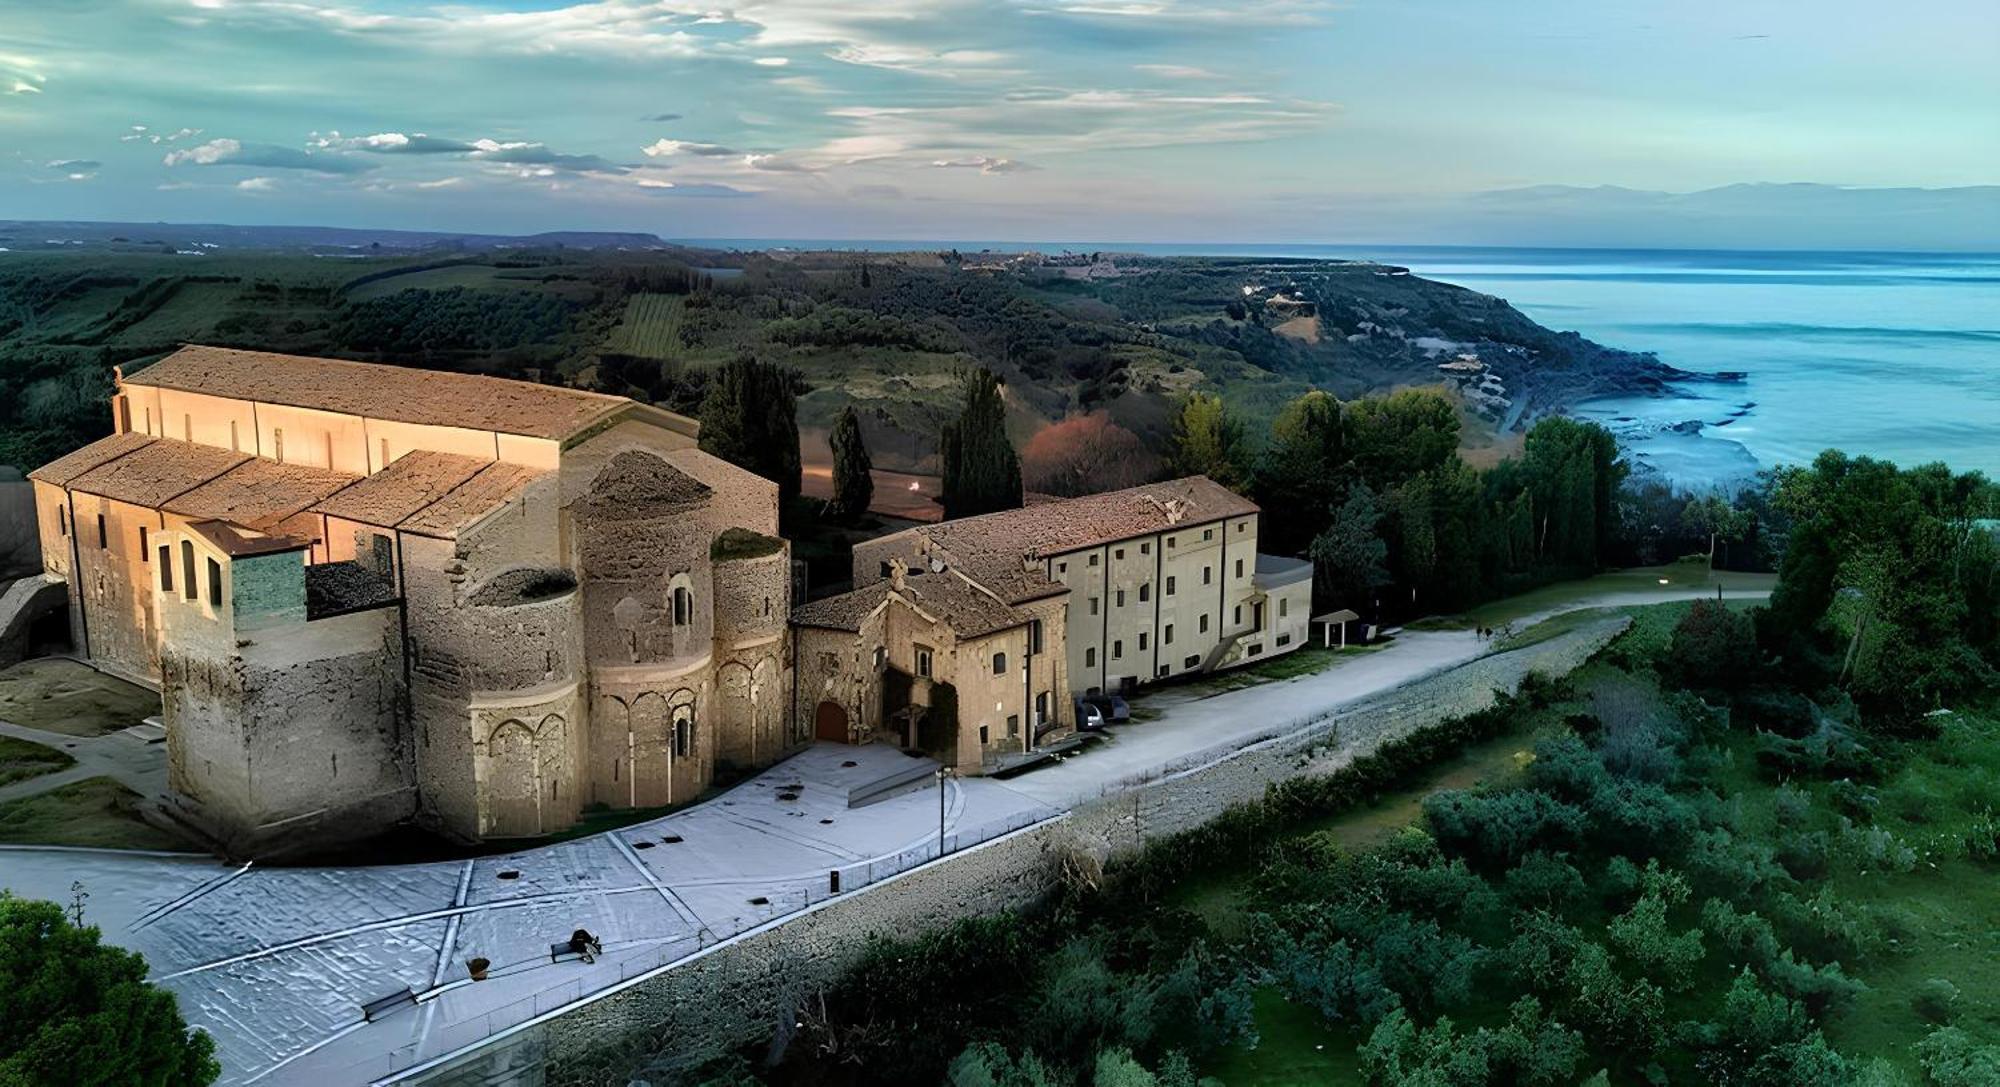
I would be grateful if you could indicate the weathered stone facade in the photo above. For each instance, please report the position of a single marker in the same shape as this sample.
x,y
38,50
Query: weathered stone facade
x,y
369,596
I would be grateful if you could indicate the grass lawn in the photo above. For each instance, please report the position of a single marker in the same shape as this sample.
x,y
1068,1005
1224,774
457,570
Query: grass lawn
x,y
1680,577
64,696
95,812
21,760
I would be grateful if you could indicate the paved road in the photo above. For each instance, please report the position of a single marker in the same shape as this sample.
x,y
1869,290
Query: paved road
x,y
275,962
137,764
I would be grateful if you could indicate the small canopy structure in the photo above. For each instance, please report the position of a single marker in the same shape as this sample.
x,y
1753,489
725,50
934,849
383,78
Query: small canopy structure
x,y
1327,623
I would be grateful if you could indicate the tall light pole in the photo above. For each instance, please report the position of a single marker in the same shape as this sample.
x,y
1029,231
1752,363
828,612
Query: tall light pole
x,y
943,772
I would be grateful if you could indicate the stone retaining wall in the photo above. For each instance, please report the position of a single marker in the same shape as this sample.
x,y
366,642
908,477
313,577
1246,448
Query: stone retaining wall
x,y
739,991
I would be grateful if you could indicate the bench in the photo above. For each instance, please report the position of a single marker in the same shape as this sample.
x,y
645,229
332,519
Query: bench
x,y
566,949
376,1009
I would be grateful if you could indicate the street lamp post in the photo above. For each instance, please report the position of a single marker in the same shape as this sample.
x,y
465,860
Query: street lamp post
x,y
943,772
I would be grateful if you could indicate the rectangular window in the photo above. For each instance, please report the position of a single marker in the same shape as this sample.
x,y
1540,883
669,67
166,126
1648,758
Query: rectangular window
x,y
1208,575
1170,584
1145,593
1093,605
982,735
1254,650
1118,598
145,552
103,541
1119,554
1146,548
1207,534
1093,559
1118,650
1167,636
1284,639
1238,620
1239,567
235,446
1013,725
1142,641
1193,661
1090,657
1062,568
1034,636
1284,605
1173,542
187,569
166,569
214,584
278,444
1204,624
1242,526
1041,707
62,520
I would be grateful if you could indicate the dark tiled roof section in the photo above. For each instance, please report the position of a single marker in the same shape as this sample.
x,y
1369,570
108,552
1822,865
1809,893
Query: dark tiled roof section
x,y
156,473
260,493
969,612
637,486
410,482
241,543
485,492
335,588
381,392
73,464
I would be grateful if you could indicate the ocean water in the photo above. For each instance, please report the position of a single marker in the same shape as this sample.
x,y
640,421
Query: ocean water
x,y
1895,356
1892,355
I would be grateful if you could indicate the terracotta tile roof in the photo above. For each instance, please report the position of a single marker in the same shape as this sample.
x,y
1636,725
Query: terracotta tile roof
x,y
485,492
1050,528
946,597
990,548
381,392
157,472
410,482
260,493
71,465
240,543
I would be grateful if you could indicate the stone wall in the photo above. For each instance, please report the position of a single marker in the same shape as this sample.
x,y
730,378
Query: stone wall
x,y
738,991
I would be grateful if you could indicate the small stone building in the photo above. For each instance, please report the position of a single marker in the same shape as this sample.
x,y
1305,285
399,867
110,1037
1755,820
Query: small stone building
x,y
370,594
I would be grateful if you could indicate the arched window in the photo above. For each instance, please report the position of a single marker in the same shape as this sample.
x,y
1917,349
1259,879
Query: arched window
x,y
999,663
682,595
683,731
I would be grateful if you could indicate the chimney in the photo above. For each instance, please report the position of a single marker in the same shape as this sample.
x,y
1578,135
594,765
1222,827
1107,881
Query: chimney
x,y
898,571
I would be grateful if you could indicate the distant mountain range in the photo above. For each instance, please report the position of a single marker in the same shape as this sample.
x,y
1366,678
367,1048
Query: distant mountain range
x,y
26,234
1799,215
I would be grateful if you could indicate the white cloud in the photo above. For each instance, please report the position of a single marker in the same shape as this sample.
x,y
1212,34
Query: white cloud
x,y
772,62
1176,71
984,164
663,148
229,152
257,184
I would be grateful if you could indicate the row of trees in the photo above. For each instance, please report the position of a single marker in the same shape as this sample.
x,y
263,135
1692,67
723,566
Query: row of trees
x,y
1375,492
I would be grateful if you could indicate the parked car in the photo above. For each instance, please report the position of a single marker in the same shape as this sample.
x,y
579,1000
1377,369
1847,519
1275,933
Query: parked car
x,y
1089,717
1115,709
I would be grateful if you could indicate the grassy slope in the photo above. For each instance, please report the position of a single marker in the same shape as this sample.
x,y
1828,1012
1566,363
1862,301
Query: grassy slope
x,y
21,760
97,812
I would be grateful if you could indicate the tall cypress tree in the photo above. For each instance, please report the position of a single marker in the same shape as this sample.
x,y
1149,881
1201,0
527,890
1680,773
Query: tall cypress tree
x,y
853,486
982,473
750,419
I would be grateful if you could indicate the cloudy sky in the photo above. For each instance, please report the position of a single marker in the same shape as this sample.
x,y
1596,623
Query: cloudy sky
x,y
1166,120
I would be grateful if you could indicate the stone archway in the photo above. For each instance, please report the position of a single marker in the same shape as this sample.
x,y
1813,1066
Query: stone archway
x,y
830,723
513,782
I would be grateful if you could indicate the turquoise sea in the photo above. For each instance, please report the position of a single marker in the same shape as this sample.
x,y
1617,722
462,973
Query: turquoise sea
x,y
1893,355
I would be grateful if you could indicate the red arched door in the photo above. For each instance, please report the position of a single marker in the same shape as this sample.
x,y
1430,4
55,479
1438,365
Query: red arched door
x,y
830,723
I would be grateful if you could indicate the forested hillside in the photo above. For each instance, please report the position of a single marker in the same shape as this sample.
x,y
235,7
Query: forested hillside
x,y
886,333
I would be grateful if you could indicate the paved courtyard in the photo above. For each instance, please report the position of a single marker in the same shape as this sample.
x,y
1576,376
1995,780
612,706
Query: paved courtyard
x,y
277,962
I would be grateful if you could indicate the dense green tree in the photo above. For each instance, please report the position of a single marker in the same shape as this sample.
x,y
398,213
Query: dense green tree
x,y
1304,463
1406,433
1714,647
76,1013
1573,472
982,473
853,479
750,419
1208,441
1349,556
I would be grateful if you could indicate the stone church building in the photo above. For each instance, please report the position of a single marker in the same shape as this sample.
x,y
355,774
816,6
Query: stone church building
x,y
369,594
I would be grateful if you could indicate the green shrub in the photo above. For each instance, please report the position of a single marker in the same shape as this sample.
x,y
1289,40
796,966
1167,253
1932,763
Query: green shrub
x,y
1953,1058
1936,1000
